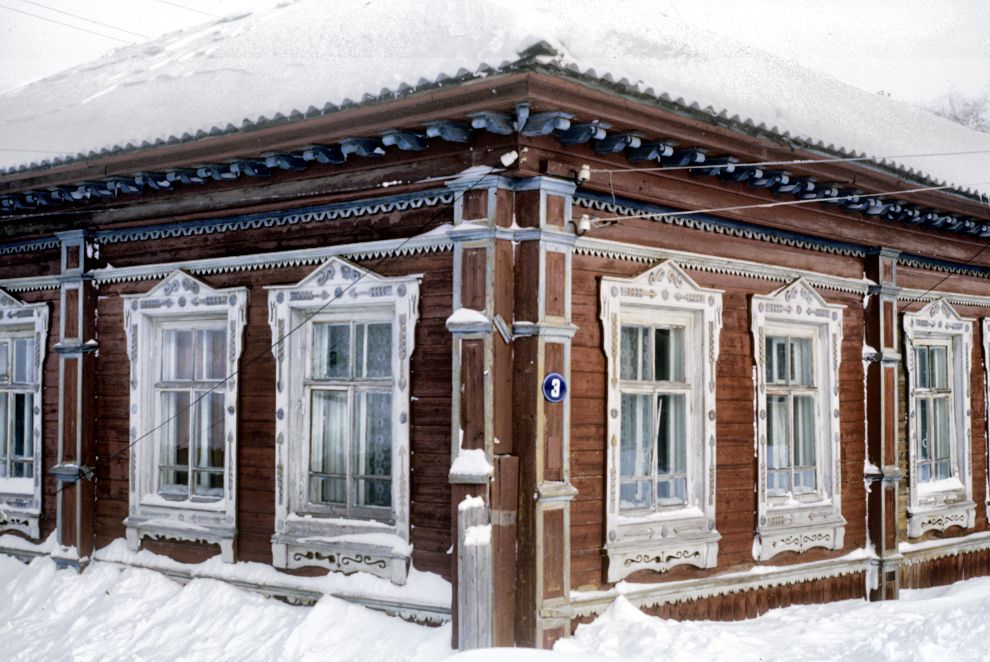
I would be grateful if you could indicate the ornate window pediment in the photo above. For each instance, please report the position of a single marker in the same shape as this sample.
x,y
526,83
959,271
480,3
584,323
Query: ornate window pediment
x,y
184,341
797,347
938,344
343,341
661,335
23,336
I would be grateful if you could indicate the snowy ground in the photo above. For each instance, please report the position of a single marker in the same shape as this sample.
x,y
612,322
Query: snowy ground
x,y
111,614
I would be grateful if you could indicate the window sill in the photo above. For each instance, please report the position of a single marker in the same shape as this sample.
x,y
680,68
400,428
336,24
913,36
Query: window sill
x,y
22,520
384,555
797,529
175,526
931,517
660,544
16,487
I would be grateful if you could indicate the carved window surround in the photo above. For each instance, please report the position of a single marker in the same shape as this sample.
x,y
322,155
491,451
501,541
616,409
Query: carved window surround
x,y
20,498
939,504
179,300
800,521
308,534
676,534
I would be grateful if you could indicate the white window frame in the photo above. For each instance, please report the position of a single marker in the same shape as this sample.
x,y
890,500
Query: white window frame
x,y
669,535
314,535
179,300
937,505
20,498
805,520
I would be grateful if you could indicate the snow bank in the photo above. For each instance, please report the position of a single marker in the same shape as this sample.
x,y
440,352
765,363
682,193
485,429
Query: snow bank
x,y
106,613
421,588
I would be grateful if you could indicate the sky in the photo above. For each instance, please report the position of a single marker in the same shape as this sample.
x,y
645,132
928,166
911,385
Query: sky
x,y
914,50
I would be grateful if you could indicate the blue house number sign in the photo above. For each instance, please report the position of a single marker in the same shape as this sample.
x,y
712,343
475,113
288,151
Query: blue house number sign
x,y
554,387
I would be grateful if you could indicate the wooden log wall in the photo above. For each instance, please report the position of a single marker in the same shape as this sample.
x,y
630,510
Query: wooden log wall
x,y
430,387
736,469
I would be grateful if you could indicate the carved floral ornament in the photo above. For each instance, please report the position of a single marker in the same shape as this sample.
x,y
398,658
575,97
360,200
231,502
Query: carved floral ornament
x,y
337,291
797,522
179,299
20,498
940,504
684,533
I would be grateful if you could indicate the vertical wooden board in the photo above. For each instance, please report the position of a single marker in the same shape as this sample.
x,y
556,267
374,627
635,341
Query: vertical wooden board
x,y
473,279
70,398
504,531
553,416
475,204
888,324
555,210
555,284
553,553
528,209
890,421
71,313
503,208
527,282
473,393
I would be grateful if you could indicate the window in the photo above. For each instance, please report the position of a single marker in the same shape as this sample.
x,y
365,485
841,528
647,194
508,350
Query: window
x,y
342,420
23,332
797,337
661,341
184,339
938,346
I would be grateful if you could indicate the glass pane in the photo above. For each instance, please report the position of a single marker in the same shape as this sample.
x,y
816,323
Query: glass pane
x,y
776,360
178,356
209,452
635,449
778,432
778,482
941,429
924,472
921,363
804,481
328,443
375,451
804,431
327,490
924,429
24,361
4,422
629,353
939,369
331,351
669,354
23,428
379,346
801,361
174,460
214,354
646,347
943,470
671,442
5,363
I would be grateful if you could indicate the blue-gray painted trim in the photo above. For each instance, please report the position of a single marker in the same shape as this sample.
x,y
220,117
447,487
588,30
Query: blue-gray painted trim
x,y
336,211
706,223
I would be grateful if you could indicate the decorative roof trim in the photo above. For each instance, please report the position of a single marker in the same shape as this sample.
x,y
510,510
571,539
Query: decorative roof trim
x,y
29,245
429,242
30,284
590,603
957,298
717,265
944,266
624,206
336,211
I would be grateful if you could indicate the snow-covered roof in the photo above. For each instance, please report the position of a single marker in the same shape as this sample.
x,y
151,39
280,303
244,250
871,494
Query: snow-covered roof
x,y
310,56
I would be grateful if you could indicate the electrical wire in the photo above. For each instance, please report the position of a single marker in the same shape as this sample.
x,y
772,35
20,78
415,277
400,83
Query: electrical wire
x,y
763,164
198,11
88,20
68,25
245,364
780,203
